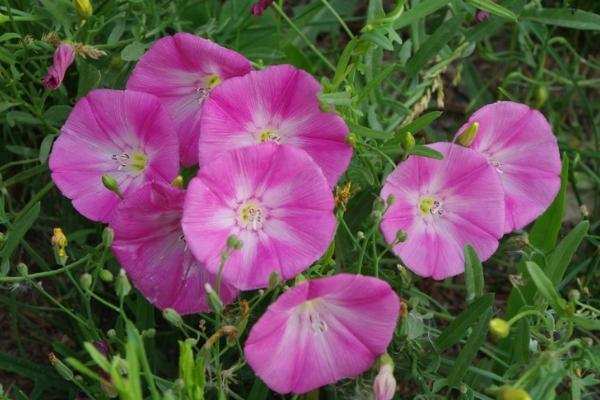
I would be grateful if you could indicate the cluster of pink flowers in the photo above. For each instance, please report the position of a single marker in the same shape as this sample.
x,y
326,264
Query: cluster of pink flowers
x,y
507,174
268,158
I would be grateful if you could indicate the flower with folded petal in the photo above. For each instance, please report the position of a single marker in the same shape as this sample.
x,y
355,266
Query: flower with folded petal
x,y
274,199
321,331
278,104
443,205
63,58
119,137
150,245
519,144
384,385
181,70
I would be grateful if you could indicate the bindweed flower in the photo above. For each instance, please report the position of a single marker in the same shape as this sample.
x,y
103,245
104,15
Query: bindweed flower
x,y
518,142
122,134
384,385
181,70
274,199
64,55
321,331
150,245
278,104
443,205
260,6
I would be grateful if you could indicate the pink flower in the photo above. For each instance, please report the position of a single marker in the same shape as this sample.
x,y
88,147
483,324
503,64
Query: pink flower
x,y
321,331
443,205
260,6
122,134
150,246
181,70
278,104
384,385
274,198
519,144
481,15
63,58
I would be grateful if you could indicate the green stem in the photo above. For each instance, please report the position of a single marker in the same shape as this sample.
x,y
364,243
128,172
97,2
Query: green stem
x,y
12,279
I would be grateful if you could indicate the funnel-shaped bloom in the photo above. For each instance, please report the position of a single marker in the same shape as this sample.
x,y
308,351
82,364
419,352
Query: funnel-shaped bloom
x,y
124,135
443,205
181,70
274,198
150,245
519,144
63,58
278,104
321,331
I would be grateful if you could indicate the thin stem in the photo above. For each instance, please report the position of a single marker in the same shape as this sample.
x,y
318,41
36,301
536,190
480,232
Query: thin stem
x,y
338,17
11,279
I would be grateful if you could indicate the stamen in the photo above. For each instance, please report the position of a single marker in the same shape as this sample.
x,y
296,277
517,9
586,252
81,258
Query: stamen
x,y
137,161
269,135
251,216
498,165
430,206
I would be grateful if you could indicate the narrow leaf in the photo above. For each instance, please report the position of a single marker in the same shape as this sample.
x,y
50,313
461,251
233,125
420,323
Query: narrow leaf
x,y
545,287
428,152
560,258
493,8
473,274
14,235
418,12
565,17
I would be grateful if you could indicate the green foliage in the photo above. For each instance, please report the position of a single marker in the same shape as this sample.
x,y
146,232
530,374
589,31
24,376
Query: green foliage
x,y
402,74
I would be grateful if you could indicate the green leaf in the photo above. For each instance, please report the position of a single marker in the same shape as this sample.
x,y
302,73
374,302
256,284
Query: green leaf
x,y
470,349
133,51
473,274
587,323
98,357
342,65
418,12
544,232
15,233
559,259
428,152
89,78
545,287
493,8
458,327
45,148
56,115
434,43
259,391
368,132
565,17
378,38
416,125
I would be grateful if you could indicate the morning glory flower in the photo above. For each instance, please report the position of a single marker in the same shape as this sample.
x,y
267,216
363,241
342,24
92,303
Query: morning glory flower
x,y
274,199
518,142
441,206
278,104
149,244
115,136
181,70
321,331
64,55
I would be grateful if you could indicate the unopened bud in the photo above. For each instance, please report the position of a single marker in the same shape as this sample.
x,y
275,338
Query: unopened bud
x,y
401,236
108,235
510,393
111,184
499,328
408,141
111,333
122,285
173,317
149,333
234,243
106,275
177,182
384,385
351,139
574,295
274,279
86,281
60,367
467,136
213,298
540,96
84,8
59,239
22,269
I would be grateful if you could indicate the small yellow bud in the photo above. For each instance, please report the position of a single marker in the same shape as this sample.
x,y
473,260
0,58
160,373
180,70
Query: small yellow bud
x,y
111,184
510,393
408,141
58,238
178,182
84,8
499,328
467,137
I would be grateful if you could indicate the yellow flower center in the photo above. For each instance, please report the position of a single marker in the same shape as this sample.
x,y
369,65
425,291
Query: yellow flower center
x,y
251,216
269,135
211,81
430,206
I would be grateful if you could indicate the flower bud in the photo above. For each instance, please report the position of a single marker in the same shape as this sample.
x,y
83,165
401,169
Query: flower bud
x,y
234,243
510,393
213,298
84,8
111,333
106,275
111,184
574,295
22,269
540,96
401,236
122,285
86,281
390,200
173,317
384,385
481,15
177,182
467,136
108,235
408,141
149,333
499,328
60,367
274,279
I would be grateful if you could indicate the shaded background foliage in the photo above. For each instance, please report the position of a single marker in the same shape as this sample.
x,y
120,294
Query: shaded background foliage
x,y
423,70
